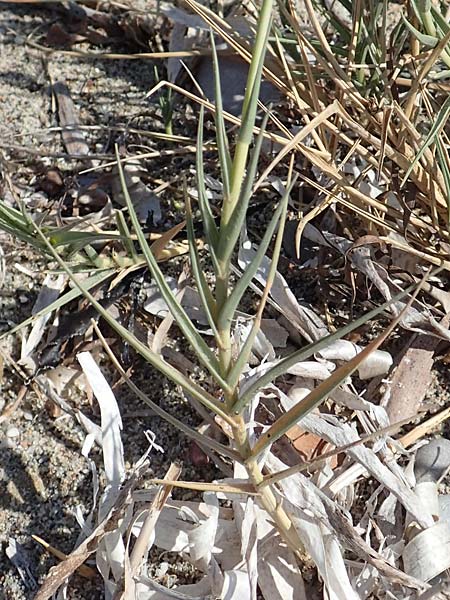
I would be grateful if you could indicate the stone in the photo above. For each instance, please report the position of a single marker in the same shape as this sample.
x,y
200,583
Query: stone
x,y
432,460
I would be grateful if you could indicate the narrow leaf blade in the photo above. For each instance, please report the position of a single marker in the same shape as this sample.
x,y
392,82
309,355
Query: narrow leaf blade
x,y
304,353
204,353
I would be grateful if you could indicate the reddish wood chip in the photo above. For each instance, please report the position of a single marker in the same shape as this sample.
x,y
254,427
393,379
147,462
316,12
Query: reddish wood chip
x,y
411,378
309,445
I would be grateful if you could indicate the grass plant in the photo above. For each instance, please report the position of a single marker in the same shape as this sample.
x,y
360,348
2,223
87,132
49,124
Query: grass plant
x,y
226,363
363,117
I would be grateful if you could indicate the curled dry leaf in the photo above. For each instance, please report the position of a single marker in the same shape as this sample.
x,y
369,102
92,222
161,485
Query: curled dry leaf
x,y
378,363
233,77
432,460
348,535
426,555
237,548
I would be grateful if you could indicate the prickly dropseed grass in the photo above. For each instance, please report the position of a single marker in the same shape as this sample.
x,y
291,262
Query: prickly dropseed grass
x,y
224,361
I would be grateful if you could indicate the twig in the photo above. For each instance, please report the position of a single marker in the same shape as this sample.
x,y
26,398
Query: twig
x,y
83,570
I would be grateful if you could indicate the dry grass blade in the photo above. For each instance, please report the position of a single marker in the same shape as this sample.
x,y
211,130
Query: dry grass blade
x,y
141,544
83,570
219,488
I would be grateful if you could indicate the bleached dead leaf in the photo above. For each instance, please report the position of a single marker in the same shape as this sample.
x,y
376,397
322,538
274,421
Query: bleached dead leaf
x,y
249,545
114,464
279,577
274,332
236,585
378,363
426,555
113,457
147,589
310,325
311,521
18,557
48,293
340,434
202,537
261,346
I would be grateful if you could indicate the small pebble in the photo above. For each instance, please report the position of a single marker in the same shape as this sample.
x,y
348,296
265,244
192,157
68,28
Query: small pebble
x,y
432,460
8,443
162,569
12,432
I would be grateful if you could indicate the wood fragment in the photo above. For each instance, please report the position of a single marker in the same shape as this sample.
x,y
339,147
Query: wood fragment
x,y
412,376
424,428
14,405
72,135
